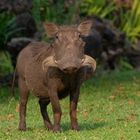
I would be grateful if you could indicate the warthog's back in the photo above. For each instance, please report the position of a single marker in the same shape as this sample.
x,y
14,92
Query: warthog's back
x,y
29,66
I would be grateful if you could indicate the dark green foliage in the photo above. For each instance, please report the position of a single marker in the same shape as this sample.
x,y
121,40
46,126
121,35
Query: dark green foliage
x,y
5,22
4,25
63,12
8,29
101,8
5,64
57,12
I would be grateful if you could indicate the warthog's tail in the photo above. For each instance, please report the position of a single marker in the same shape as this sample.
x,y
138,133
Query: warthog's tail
x,y
13,82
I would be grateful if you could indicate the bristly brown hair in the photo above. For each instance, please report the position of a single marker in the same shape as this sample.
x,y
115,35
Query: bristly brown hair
x,y
40,50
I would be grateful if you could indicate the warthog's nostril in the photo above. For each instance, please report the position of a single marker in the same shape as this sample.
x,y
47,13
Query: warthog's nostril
x,y
70,69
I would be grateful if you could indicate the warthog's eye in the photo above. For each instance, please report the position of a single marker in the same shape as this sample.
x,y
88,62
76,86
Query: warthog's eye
x,y
56,36
79,35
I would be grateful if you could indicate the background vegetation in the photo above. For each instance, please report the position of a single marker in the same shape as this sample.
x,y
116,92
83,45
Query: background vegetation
x,y
109,103
124,15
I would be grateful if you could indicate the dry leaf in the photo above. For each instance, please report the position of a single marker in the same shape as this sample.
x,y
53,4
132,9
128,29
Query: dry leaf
x,y
85,113
112,97
131,102
17,108
10,117
131,117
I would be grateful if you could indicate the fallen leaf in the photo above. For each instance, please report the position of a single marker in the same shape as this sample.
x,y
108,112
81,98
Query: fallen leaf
x,y
119,90
10,117
131,117
17,108
122,138
85,113
138,94
112,97
131,102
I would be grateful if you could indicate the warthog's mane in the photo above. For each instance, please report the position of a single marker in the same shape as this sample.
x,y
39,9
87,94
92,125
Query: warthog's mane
x,y
40,50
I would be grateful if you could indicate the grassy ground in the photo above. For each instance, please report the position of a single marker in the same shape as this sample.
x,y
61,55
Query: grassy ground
x,y
108,109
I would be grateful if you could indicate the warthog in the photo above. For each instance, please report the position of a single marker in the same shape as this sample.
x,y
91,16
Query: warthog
x,y
54,71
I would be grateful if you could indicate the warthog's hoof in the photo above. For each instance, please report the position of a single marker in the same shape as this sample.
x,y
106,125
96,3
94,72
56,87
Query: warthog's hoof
x,y
57,129
75,128
49,127
22,127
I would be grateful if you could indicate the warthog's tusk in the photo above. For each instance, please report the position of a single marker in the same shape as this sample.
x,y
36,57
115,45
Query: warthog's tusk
x,y
48,62
89,61
83,60
55,62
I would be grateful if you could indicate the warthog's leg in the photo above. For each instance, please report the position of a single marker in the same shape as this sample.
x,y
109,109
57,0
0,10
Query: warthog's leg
x,y
43,106
23,101
74,96
56,110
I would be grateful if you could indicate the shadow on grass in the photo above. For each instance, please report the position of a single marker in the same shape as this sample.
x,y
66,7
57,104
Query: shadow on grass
x,y
85,126
66,127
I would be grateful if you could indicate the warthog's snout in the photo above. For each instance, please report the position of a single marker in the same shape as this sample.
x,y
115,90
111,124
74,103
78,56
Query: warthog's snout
x,y
69,67
73,68
70,70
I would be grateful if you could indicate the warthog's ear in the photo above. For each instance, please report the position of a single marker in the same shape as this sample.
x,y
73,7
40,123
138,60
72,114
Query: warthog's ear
x,y
85,27
51,29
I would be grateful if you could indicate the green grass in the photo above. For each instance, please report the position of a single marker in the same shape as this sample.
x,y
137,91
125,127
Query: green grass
x,y
108,109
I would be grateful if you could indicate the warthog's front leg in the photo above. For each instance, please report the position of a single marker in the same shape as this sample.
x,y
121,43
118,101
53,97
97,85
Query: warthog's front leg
x,y
56,110
23,101
43,106
74,96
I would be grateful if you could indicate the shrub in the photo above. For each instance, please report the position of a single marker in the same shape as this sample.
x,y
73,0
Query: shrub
x,y
129,17
57,12
130,21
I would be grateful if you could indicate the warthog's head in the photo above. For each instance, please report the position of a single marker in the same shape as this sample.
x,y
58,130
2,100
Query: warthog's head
x,y
68,45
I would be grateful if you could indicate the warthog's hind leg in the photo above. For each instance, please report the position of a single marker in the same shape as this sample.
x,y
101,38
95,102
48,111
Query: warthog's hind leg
x,y
24,93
